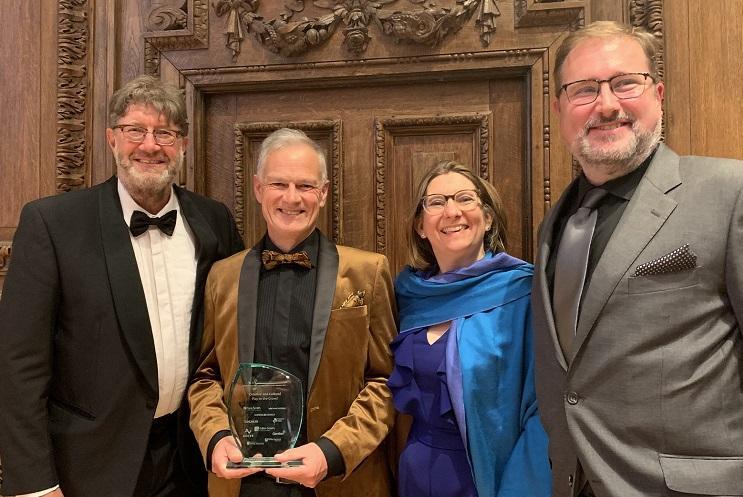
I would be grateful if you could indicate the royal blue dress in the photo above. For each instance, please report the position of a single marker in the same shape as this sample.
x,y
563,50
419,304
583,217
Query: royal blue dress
x,y
476,425
434,462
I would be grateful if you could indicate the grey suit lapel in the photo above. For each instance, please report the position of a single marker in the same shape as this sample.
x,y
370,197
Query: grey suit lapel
x,y
327,272
247,303
543,296
646,212
126,286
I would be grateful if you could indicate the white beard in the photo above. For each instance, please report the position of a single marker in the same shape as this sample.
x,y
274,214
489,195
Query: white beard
x,y
145,185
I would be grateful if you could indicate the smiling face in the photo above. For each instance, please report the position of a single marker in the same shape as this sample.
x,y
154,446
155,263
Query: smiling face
x,y
456,236
146,169
609,137
291,193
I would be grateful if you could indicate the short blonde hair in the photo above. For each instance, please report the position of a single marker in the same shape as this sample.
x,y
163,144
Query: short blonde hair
x,y
607,29
420,252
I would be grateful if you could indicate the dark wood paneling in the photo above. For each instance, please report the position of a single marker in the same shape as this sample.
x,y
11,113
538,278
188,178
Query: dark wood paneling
x,y
529,163
20,39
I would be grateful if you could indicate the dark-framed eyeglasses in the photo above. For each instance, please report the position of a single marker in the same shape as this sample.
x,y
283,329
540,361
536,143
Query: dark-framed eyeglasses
x,y
137,134
623,86
465,200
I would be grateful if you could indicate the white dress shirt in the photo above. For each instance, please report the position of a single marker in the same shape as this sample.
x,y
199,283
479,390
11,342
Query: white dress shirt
x,y
167,268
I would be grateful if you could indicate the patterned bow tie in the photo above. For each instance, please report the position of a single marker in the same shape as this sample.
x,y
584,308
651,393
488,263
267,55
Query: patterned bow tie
x,y
141,221
271,259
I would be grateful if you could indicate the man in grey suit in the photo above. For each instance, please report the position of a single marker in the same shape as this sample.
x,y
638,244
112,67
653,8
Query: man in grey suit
x,y
641,387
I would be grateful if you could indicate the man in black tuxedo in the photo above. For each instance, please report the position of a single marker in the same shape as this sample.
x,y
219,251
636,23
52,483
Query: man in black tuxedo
x,y
100,318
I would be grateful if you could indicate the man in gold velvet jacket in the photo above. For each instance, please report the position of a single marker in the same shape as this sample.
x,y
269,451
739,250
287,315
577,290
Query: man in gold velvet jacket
x,y
327,318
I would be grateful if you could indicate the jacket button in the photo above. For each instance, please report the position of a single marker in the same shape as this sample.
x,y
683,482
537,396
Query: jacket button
x,y
572,398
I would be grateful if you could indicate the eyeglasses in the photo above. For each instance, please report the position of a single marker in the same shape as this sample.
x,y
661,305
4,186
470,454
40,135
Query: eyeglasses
x,y
136,134
623,86
466,200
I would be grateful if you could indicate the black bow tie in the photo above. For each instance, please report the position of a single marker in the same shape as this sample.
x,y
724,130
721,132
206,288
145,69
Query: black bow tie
x,y
141,221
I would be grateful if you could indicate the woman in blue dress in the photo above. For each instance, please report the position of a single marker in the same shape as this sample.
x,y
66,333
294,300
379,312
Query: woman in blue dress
x,y
463,360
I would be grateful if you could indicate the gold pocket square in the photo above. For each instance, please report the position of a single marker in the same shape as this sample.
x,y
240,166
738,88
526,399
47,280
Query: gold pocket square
x,y
354,299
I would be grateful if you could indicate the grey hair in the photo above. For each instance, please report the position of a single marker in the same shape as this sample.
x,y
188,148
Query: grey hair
x,y
148,90
285,137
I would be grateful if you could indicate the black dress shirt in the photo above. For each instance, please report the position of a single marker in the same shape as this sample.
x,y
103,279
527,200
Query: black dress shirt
x,y
284,312
608,213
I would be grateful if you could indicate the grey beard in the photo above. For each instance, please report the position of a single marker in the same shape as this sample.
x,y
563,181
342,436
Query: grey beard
x,y
148,186
617,163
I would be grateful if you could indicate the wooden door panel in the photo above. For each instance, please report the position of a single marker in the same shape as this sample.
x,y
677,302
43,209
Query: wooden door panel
x,y
410,147
230,74
381,139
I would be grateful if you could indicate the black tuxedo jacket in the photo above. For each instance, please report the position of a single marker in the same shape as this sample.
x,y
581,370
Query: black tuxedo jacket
x,y
78,371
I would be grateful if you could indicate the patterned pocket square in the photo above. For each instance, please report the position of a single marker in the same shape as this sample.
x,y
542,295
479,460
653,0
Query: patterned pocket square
x,y
354,299
680,259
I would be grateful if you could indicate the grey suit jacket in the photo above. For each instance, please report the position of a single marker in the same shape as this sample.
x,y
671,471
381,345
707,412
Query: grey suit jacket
x,y
651,399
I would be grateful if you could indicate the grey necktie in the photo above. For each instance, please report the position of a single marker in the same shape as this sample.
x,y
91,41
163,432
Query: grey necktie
x,y
570,267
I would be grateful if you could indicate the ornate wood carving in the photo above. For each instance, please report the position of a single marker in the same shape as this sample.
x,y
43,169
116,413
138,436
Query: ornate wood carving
x,y
510,58
649,15
331,128
478,123
486,20
529,13
174,25
151,59
72,91
168,15
5,249
427,25
546,133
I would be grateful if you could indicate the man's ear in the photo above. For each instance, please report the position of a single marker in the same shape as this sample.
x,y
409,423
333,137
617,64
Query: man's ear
x,y
660,88
257,190
555,104
324,194
110,138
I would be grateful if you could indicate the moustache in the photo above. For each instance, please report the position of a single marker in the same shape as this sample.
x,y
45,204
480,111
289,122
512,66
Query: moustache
x,y
601,120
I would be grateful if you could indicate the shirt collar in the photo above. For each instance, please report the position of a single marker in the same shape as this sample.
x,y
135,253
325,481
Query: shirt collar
x,y
129,205
622,187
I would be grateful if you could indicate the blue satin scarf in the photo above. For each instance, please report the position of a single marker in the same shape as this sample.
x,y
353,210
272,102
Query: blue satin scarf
x,y
489,367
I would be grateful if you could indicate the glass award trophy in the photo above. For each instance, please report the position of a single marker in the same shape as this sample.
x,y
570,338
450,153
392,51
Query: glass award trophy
x,y
265,405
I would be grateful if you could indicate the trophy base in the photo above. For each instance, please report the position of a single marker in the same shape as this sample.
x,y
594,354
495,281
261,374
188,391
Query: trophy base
x,y
262,462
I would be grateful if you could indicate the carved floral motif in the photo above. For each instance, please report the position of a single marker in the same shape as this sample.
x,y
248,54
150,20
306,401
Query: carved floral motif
x,y
168,15
649,15
5,250
427,25
174,25
72,91
530,13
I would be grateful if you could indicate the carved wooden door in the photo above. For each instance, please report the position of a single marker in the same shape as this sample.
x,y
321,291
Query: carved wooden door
x,y
380,140
390,87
